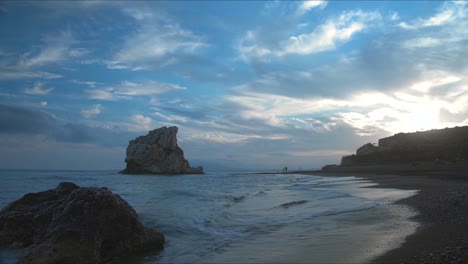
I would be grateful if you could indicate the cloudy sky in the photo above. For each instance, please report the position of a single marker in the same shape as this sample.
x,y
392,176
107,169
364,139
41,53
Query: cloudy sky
x,y
249,84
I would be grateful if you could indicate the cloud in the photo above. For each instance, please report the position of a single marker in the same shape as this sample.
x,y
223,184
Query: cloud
x,y
126,90
92,112
105,95
43,103
56,48
410,108
78,52
233,138
324,37
145,88
330,34
9,74
306,6
422,43
75,133
445,30
44,128
394,16
434,79
38,89
449,12
90,84
18,120
141,122
157,43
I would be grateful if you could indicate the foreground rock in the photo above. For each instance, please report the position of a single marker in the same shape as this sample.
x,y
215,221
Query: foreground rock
x,y
158,153
72,224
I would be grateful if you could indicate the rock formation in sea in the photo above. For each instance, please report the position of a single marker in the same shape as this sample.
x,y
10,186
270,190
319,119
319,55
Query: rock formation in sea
x,y
437,146
158,153
72,224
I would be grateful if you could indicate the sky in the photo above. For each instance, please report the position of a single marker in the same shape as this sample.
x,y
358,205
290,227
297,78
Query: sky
x,y
250,84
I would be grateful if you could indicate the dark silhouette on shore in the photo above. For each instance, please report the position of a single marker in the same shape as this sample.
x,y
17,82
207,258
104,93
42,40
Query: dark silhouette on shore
x,y
443,148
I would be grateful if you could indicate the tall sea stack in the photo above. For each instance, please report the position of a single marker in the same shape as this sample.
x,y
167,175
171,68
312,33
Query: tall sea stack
x,y
158,153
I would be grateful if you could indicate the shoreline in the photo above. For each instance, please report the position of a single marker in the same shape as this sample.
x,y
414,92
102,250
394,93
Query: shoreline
x,y
442,206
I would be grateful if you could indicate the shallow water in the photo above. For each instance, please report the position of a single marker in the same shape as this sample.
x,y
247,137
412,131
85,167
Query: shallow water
x,y
245,218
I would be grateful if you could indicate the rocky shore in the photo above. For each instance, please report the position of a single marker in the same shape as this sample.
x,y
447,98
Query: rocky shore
x,y
72,224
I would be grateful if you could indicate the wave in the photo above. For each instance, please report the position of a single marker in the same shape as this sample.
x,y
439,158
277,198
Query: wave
x,y
301,187
335,197
294,203
236,199
183,193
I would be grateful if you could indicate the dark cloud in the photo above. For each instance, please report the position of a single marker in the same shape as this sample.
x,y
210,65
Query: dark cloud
x,y
17,120
73,133
20,120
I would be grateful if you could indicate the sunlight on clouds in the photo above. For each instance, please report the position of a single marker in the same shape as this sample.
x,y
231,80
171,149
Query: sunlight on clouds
x,y
434,79
314,124
405,110
282,105
458,100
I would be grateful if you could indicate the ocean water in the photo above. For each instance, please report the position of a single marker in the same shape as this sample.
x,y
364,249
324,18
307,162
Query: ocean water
x,y
245,217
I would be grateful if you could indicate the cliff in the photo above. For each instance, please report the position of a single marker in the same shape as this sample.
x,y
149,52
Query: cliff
x,y
449,145
158,153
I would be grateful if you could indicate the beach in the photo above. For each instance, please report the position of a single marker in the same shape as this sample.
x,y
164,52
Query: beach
x,y
245,217
442,206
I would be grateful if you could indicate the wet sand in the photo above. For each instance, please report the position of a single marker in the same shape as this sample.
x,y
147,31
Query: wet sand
x,y
442,204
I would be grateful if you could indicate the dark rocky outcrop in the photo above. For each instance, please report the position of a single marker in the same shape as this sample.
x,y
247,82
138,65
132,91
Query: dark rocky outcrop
x,y
367,149
438,146
158,153
72,224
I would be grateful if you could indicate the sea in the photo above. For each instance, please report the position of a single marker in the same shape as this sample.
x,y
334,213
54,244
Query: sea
x,y
233,217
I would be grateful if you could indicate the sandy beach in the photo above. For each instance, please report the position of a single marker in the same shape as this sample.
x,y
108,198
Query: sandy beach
x,y
442,203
